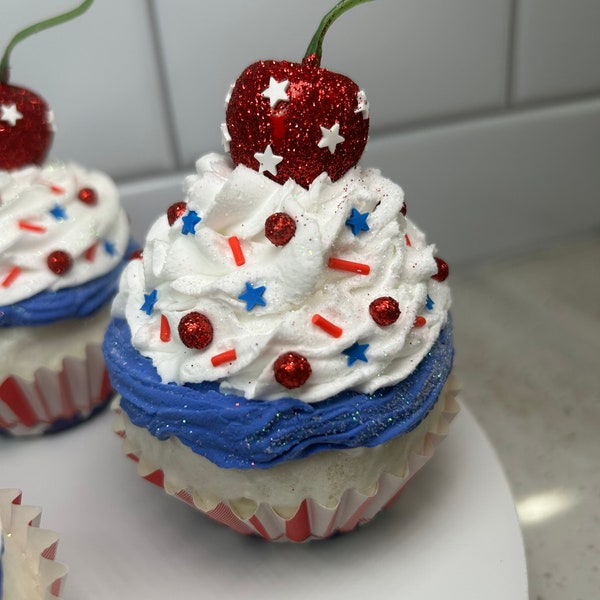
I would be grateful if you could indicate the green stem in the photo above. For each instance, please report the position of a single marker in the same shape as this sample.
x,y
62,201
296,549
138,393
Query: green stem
x,y
316,44
25,33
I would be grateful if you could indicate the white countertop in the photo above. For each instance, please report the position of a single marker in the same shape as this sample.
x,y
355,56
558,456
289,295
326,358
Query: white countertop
x,y
453,532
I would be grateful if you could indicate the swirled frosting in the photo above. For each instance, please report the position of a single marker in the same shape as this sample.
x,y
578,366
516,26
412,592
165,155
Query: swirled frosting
x,y
57,207
262,301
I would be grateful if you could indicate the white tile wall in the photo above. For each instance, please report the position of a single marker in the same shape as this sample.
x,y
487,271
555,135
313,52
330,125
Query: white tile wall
x,y
557,49
486,111
99,75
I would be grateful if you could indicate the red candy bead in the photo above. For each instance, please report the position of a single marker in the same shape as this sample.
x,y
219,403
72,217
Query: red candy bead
x,y
175,211
443,270
384,311
420,321
280,228
59,262
88,196
292,370
195,330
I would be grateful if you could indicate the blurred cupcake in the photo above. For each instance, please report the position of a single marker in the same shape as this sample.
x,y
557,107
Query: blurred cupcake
x,y
64,240
28,569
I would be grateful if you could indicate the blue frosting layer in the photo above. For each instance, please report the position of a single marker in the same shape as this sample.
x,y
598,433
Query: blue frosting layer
x,y
74,302
232,431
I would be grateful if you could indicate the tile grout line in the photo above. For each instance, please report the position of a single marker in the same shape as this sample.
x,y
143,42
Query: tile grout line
x,y
169,114
513,24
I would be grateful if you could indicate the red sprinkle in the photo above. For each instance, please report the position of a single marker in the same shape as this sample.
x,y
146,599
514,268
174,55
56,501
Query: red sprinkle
x,y
136,254
175,211
327,326
236,248
56,189
88,196
165,329
12,275
224,357
31,227
90,253
347,265
407,239
403,209
292,370
59,262
443,270
419,321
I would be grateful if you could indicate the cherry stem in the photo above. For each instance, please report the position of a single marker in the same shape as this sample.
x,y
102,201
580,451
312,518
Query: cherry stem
x,y
25,33
316,44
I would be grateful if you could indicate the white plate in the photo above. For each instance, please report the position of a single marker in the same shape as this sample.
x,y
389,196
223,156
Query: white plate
x,y
453,533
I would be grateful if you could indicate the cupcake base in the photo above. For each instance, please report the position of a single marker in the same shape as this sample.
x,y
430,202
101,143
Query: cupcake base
x,y
29,566
275,503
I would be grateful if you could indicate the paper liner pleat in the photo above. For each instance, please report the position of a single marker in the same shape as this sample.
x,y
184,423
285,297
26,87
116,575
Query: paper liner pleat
x,y
21,526
32,406
311,519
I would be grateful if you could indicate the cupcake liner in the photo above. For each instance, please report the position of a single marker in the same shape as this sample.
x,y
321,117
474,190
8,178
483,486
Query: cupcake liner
x,y
311,520
54,400
32,549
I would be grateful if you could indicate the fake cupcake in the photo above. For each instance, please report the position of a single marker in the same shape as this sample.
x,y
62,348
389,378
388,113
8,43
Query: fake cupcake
x,y
283,349
65,239
28,569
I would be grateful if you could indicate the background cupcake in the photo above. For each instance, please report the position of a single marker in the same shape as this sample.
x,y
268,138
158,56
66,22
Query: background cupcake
x,y
65,239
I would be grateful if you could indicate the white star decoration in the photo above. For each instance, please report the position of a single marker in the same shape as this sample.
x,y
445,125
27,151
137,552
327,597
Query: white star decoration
x,y
331,138
268,161
10,114
277,91
225,137
228,96
363,104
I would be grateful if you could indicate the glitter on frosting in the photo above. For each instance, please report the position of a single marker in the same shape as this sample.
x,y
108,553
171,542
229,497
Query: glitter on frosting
x,y
233,431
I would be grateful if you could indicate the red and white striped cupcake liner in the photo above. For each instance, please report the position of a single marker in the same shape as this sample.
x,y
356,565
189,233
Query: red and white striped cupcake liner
x,y
311,520
55,400
36,546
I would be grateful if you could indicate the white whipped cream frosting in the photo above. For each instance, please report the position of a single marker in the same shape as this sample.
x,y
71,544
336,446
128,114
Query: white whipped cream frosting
x,y
29,231
198,273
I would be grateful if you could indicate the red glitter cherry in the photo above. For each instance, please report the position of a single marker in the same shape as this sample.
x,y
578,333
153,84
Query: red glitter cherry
x,y
297,120
195,330
384,311
292,370
59,262
26,129
443,270
175,211
88,196
280,228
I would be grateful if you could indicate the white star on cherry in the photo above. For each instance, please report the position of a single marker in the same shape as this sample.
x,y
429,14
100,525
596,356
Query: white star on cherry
x,y
331,138
277,91
225,137
363,104
10,114
268,161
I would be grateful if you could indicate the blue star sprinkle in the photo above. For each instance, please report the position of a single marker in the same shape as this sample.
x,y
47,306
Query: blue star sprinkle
x,y
189,222
429,303
253,296
59,213
149,302
356,352
357,221
110,248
